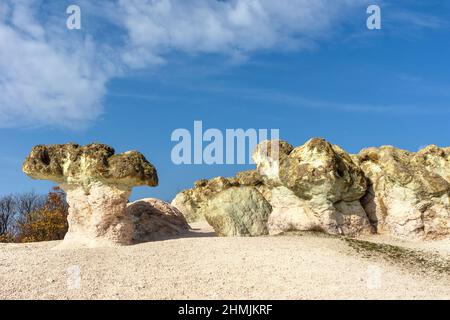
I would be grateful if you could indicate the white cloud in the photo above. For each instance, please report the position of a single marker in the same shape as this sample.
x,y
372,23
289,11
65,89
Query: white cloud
x,y
45,79
52,76
234,28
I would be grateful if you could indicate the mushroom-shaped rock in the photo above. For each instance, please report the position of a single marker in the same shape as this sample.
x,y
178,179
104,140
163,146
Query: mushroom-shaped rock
x,y
98,183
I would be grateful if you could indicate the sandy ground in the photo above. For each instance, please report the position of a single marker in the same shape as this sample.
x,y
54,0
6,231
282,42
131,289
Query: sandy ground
x,y
202,266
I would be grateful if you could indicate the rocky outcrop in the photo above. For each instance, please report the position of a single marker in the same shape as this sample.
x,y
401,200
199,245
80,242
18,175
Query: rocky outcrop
x,y
316,186
154,219
408,196
319,186
98,183
237,211
267,156
190,201
313,187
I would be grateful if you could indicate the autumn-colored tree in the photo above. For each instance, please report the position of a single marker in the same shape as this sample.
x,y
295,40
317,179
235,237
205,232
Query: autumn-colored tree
x,y
6,237
46,223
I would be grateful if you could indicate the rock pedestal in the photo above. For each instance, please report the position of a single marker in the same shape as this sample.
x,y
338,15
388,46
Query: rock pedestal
x,y
97,183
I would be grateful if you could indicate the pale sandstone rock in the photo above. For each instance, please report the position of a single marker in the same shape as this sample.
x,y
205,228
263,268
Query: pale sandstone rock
x,y
97,217
155,219
237,211
320,169
435,159
314,185
318,186
97,183
290,213
190,201
407,197
267,156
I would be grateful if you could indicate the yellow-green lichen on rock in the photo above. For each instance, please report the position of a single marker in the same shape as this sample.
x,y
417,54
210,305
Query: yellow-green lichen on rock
x,y
98,184
83,165
319,186
408,195
238,211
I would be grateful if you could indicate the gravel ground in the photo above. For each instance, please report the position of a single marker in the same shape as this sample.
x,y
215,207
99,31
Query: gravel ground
x,y
202,266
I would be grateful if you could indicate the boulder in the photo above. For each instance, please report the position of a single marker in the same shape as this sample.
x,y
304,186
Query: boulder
x,y
238,211
291,213
319,169
408,195
190,201
154,219
98,183
267,156
434,159
315,182
319,186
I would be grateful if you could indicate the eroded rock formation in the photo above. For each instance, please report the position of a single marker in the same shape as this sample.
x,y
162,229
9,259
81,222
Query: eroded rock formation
x,y
98,183
237,211
407,196
190,201
319,186
154,219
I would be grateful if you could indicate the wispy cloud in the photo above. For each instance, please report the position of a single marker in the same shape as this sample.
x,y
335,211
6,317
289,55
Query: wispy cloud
x,y
289,100
419,20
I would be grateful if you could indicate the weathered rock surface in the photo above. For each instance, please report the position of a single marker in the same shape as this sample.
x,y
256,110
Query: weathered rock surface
x,y
322,179
435,159
319,186
407,195
98,183
268,155
237,211
190,201
155,219
74,164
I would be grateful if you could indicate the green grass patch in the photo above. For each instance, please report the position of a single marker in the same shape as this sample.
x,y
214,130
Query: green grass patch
x,y
424,261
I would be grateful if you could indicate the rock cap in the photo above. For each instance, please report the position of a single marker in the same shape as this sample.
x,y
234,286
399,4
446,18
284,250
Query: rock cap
x,y
82,165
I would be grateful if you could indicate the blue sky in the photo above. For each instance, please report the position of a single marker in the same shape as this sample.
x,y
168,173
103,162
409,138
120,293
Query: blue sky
x,y
130,77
